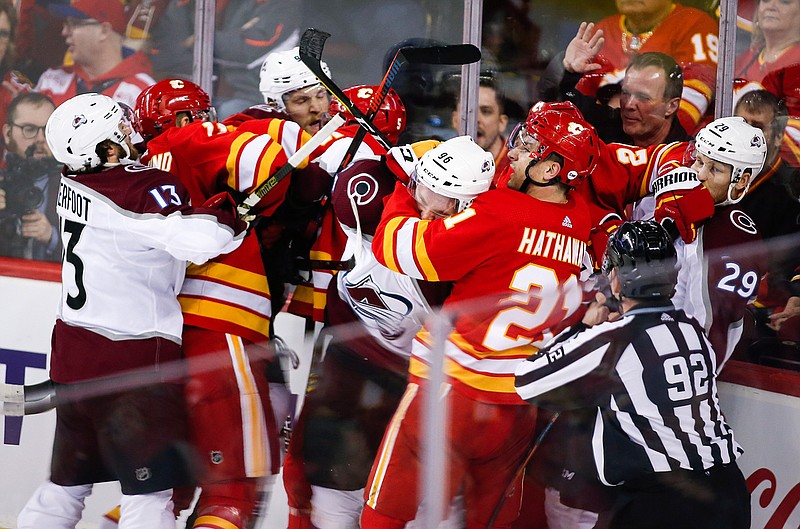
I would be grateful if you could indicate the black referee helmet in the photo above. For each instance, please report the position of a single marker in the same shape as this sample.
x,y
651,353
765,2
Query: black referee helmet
x,y
644,257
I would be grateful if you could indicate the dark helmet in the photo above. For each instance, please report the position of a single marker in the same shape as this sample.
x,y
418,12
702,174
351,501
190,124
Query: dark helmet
x,y
644,257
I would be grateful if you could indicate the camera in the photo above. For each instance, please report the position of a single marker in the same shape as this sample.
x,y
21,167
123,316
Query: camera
x,y
22,196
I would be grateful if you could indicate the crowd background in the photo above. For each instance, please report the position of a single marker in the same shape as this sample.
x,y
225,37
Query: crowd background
x,y
48,47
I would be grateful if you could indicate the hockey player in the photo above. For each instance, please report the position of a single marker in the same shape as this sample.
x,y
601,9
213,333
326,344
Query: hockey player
x,y
330,242
721,260
123,225
289,86
647,383
514,256
226,302
372,316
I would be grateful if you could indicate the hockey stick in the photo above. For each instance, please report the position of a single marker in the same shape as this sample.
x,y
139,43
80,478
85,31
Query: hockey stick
x,y
313,40
19,400
457,54
311,44
302,153
520,469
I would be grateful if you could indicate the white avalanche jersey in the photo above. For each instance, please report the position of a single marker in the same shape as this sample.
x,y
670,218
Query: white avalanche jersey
x,y
389,305
128,232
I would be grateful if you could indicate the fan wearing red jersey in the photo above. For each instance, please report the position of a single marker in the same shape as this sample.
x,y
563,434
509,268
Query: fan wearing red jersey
x,y
687,34
514,255
226,302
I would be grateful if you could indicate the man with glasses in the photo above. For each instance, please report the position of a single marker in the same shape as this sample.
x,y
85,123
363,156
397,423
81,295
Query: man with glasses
x,y
29,186
94,32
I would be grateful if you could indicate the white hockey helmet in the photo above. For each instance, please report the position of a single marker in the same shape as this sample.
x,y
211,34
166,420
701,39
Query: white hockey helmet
x,y
283,72
76,127
457,168
732,141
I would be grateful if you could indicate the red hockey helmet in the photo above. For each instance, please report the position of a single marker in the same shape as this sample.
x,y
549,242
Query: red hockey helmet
x,y
158,105
390,118
559,128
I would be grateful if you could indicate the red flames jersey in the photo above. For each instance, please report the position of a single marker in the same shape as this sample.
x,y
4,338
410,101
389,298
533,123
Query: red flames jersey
x,y
228,294
514,261
688,35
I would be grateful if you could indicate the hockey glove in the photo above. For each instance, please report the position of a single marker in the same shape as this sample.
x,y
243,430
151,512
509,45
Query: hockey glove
x,y
682,203
402,160
598,238
224,202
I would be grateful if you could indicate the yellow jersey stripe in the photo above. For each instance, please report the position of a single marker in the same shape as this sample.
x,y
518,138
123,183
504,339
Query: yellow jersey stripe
x,y
421,252
387,446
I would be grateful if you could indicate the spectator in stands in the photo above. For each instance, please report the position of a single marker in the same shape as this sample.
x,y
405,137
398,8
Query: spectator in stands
x,y
29,182
773,63
13,82
492,122
37,42
94,31
775,40
649,100
770,202
245,32
686,34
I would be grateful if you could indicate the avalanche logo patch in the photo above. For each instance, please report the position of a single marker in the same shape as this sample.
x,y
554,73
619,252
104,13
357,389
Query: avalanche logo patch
x,y
567,223
743,222
79,120
388,310
362,188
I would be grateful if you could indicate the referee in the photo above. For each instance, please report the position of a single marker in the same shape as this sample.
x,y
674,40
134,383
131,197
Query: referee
x,y
658,435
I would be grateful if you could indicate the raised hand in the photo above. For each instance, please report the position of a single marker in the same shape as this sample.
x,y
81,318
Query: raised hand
x,y
582,49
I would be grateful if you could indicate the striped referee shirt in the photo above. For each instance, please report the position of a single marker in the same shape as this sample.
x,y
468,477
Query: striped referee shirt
x,y
651,377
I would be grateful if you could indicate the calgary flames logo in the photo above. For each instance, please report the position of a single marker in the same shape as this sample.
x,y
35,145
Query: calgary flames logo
x,y
575,128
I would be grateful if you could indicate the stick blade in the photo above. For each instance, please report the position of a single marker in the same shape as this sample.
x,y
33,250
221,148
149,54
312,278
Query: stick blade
x,y
452,54
312,41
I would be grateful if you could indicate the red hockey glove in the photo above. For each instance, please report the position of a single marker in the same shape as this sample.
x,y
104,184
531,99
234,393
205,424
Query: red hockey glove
x,y
682,203
598,238
223,201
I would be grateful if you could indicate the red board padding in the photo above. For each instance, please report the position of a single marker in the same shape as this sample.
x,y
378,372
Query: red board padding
x,y
26,269
762,377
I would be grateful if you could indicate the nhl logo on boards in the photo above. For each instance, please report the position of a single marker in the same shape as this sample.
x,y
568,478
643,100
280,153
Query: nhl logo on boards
x,y
216,457
143,474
